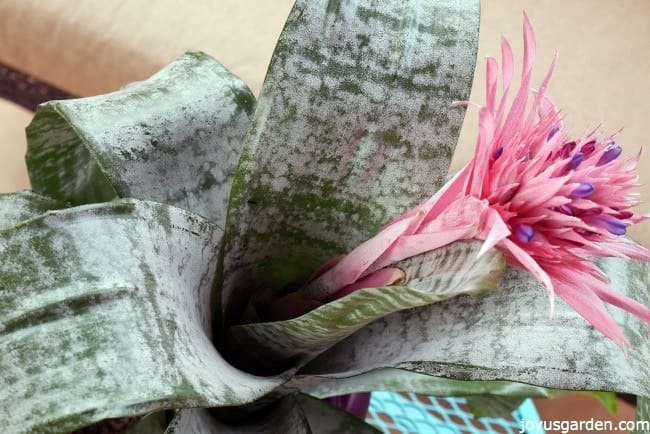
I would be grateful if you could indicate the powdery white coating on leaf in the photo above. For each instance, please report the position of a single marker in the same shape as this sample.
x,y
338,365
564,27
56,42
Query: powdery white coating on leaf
x,y
506,335
173,138
344,120
23,205
105,312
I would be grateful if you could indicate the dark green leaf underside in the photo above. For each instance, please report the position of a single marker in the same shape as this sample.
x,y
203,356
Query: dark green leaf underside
x,y
174,138
104,312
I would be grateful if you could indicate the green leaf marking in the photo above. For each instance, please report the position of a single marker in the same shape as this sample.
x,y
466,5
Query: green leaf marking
x,y
105,313
352,127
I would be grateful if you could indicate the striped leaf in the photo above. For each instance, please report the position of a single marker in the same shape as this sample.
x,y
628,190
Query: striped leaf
x,y
436,276
507,335
105,313
174,138
352,127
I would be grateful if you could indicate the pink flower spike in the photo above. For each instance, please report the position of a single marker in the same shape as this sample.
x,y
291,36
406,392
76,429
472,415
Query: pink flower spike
x,y
590,306
354,265
548,201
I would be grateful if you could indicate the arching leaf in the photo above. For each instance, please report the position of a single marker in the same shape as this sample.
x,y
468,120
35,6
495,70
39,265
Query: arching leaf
x,y
174,138
105,313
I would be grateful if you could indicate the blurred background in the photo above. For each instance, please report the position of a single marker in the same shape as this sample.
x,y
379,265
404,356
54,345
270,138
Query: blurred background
x,y
89,47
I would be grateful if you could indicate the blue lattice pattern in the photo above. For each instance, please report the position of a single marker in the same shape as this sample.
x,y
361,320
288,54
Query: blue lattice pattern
x,y
402,413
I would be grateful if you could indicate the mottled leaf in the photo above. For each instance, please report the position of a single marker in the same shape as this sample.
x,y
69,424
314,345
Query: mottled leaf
x,y
23,205
507,335
352,127
174,138
432,277
104,313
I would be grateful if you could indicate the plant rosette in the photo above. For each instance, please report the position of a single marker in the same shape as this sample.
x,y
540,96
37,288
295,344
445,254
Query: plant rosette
x,y
220,264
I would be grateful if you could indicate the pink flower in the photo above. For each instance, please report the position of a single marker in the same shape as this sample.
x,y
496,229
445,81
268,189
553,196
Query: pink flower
x,y
547,201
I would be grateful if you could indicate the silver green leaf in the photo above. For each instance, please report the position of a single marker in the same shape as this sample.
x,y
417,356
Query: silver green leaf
x,y
174,138
105,313
352,127
23,205
507,335
438,275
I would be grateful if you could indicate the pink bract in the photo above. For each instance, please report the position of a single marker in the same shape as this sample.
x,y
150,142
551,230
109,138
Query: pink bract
x,y
548,201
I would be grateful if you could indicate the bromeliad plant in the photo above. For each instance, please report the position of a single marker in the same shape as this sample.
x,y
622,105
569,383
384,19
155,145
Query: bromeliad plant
x,y
165,258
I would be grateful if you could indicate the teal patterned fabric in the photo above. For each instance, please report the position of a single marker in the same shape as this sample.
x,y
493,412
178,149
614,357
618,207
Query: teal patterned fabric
x,y
410,413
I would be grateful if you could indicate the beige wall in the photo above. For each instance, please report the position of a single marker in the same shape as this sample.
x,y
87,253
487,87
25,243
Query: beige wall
x,y
90,47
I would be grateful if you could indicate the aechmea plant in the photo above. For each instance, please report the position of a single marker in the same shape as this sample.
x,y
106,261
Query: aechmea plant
x,y
191,260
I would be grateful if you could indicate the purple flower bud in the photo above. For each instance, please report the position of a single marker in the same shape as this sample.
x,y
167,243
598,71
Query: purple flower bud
x,y
588,147
613,225
497,153
578,158
524,232
553,131
583,190
610,154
